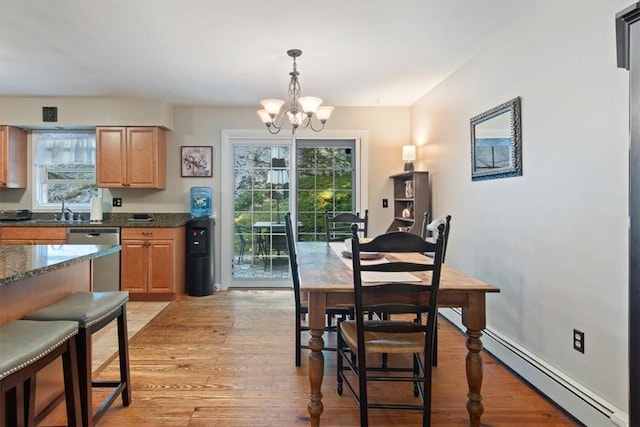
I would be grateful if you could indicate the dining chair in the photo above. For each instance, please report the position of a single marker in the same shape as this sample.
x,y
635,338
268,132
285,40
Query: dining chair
x,y
433,226
425,224
398,333
242,232
302,307
338,227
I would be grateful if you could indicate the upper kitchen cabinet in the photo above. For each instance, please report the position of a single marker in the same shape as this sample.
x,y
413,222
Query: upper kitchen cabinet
x,y
13,157
131,157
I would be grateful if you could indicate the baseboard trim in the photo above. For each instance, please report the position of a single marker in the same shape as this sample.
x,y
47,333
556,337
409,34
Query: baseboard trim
x,y
586,406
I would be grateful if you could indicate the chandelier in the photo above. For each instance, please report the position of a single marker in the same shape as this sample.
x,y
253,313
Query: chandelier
x,y
300,110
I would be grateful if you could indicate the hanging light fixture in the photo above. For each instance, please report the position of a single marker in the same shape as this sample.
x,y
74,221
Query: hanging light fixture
x,y
300,110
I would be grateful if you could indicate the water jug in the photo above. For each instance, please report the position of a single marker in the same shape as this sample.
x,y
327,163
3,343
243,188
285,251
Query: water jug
x,y
200,202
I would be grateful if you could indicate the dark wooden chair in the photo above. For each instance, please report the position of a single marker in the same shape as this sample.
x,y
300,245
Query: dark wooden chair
x,y
302,307
338,227
425,224
244,239
447,228
396,333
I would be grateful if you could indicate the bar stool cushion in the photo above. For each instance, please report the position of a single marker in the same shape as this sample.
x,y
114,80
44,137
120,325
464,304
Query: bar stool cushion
x,y
87,308
26,341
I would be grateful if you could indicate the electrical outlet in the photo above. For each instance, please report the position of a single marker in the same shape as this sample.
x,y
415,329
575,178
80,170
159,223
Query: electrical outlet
x,y
578,340
385,203
117,202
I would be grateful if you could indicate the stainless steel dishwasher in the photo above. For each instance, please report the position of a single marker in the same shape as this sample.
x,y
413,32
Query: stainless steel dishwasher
x,y
106,269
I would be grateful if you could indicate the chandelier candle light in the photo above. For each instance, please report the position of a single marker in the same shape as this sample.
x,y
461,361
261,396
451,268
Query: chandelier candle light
x,y
300,110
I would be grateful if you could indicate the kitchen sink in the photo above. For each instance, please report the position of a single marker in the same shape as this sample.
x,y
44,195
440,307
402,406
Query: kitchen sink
x,y
58,221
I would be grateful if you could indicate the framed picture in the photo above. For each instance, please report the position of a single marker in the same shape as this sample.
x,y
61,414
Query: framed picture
x,y
196,161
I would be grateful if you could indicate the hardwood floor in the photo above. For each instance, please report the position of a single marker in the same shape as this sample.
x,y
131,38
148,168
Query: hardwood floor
x,y
228,360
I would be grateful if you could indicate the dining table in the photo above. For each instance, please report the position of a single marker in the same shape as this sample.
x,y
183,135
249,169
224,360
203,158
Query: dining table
x,y
326,279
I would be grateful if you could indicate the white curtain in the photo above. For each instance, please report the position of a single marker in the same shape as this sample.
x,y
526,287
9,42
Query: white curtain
x,y
65,148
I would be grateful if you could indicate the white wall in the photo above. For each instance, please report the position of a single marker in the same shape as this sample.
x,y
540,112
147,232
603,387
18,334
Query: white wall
x,y
86,112
554,240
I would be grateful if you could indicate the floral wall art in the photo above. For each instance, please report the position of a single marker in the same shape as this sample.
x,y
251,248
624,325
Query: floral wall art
x,y
196,161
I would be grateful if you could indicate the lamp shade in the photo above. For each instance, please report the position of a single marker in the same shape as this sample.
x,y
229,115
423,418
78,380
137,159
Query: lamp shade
x,y
323,113
309,104
408,153
272,106
266,117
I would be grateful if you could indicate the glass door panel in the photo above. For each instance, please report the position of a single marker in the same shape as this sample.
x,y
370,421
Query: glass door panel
x,y
261,198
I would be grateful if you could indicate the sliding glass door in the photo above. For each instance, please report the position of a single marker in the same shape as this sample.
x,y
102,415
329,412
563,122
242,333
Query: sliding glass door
x,y
268,177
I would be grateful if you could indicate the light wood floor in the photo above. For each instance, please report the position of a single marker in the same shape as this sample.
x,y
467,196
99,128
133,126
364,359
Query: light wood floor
x,y
228,360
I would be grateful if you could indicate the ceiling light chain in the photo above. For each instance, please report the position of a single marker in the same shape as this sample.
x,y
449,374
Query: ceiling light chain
x,y
300,110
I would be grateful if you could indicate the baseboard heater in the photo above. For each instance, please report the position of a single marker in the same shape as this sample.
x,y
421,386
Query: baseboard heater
x,y
571,396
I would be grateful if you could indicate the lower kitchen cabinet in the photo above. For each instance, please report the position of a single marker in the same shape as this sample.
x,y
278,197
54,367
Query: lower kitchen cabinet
x,y
33,235
152,262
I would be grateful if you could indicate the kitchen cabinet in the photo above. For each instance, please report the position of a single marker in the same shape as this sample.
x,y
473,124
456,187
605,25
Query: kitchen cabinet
x,y
13,157
152,262
411,199
33,235
131,157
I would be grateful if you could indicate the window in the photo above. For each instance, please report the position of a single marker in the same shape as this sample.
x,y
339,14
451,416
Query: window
x,y
64,169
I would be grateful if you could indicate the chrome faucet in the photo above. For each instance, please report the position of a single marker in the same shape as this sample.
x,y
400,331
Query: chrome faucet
x,y
64,210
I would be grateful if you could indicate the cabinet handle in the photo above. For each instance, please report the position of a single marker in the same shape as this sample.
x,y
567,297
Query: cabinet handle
x,y
147,233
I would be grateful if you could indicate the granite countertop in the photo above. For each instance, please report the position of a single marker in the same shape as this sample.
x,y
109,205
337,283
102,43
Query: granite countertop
x,y
19,262
40,219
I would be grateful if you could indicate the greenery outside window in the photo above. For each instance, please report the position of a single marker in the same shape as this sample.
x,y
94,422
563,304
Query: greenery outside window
x,y
325,182
64,169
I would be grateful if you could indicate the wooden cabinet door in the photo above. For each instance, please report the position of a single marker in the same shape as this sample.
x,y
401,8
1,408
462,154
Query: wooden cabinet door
x,y
133,157
133,266
111,157
146,157
13,157
160,256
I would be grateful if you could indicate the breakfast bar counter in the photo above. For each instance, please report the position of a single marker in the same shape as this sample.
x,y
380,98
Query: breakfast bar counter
x,y
35,276
20,262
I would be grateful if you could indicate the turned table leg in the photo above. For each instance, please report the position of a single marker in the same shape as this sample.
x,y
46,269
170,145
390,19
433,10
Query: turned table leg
x,y
317,310
474,377
474,318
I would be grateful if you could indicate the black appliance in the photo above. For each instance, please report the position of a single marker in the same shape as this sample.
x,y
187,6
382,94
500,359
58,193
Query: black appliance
x,y
199,268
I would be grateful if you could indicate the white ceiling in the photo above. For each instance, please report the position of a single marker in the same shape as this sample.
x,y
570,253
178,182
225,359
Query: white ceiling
x,y
233,52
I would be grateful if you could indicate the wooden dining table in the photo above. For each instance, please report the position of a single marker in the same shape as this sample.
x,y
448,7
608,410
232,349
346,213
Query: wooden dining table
x,y
327,280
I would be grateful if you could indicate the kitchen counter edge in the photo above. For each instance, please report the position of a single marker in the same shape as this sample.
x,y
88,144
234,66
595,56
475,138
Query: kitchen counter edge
x,y
25,261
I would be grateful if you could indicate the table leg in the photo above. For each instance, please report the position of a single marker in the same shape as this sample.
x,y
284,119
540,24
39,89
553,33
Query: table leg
x,y
474,318
317,309
474,377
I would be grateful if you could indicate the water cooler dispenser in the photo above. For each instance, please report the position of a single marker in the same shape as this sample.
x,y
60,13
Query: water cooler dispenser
x,y
199,260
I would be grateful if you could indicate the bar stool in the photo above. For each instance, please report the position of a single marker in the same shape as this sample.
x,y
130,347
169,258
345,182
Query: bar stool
x,y
93,311
27,347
